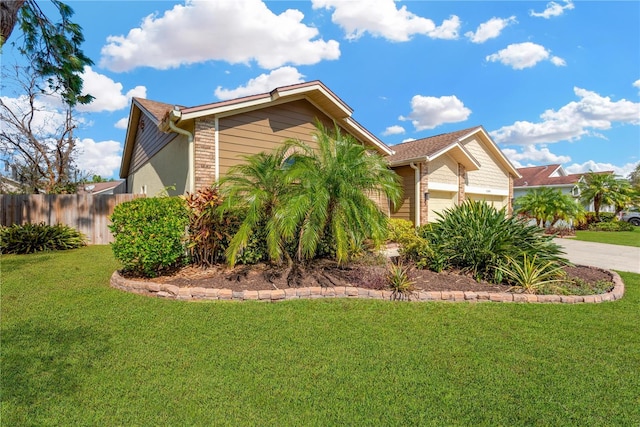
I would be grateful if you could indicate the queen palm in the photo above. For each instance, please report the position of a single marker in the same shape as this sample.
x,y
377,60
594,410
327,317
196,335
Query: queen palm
x,y
336,179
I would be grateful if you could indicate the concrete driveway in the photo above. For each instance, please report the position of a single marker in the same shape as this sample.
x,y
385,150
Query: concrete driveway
x,y
602,255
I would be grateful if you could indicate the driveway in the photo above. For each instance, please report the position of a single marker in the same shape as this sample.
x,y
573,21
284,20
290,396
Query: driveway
x,y
602,255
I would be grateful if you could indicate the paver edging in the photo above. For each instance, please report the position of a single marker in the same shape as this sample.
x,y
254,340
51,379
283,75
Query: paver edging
x,y
197,293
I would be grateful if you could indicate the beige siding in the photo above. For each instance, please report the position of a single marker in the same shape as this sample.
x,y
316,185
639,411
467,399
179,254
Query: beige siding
x,y
167,168
497,202
406,210
149,141
264,130
443,170
439,201
491,175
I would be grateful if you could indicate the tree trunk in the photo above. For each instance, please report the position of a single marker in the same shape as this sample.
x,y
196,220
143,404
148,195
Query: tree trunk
x,y
8,17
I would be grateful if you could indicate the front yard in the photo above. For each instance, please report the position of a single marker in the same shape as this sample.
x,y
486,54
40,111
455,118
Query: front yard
x,y
77,352
625,238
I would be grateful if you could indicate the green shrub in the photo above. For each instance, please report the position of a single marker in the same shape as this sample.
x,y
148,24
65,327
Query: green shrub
x,y
400,230
529,275
29,238
401,286
611,226
150,234
477,238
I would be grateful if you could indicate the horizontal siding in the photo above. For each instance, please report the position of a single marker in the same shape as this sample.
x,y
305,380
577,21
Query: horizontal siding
x,y
406,210
149,141
443,170
491,174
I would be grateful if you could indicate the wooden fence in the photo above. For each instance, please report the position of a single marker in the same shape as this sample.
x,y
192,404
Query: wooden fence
x,y
87,213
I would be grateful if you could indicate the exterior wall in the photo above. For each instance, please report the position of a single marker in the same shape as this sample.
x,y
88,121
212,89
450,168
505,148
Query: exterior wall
x,y
149,141
490,176
462,177
204,146
497,202
425,179
443,170
438,202
406,210
264,130
167,168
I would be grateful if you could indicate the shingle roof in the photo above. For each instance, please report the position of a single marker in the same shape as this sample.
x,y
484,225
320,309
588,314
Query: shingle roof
x,y
157,109
539,176
426,146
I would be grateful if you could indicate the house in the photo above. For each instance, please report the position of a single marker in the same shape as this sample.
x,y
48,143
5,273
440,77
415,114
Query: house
x,y
442,171
109,187
179,149
552,176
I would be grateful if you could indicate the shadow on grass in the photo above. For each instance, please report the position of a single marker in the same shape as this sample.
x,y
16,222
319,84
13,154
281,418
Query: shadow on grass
x,y
43,363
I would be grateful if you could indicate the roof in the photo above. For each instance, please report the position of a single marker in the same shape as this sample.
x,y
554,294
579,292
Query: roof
x,y
547,176
427,149
98,187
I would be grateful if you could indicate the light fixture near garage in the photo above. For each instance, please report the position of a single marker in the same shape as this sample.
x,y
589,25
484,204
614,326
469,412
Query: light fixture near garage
x,y
426,196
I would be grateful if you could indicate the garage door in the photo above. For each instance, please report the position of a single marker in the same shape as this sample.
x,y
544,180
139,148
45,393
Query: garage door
x,y
439,201
497,202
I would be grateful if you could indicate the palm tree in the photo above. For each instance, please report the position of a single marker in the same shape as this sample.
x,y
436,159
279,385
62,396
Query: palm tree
x,y
336,181
258,187
548,204
599,188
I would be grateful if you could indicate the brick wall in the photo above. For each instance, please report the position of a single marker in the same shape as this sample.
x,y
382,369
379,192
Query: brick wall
x,y
204,140
424,187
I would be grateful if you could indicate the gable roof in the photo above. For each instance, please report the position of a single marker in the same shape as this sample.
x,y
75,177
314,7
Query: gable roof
x,y
98,187
427,149
547,176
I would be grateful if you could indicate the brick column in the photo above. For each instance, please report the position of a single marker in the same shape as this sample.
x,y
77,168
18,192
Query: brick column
x,y
462,173
204,140
424,187
510,201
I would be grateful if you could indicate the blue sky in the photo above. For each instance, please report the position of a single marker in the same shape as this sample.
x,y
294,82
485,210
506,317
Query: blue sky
x,y
552,82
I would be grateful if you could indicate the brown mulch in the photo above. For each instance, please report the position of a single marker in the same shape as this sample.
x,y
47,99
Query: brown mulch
x,y
327,273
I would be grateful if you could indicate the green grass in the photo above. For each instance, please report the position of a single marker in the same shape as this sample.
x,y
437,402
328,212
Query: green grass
x,y
626,238
76,352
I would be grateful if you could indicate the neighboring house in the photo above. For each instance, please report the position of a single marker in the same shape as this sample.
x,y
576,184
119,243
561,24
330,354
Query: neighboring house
x,y
9,185
444,170
552,176
187,148
110,187
179,149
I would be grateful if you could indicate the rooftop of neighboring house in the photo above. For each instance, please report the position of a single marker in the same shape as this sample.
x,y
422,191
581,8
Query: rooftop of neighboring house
x,y
547,176
99,187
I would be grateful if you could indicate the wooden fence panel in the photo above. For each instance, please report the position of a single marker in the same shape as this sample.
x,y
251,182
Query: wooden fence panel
x,y
87,213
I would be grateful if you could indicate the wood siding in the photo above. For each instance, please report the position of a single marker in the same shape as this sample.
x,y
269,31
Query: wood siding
x,y
406,210
443,170
87,213
491,173
149,141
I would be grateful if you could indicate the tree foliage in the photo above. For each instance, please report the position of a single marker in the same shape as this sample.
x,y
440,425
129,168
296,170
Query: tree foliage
x,y
548,204
605,189
52,48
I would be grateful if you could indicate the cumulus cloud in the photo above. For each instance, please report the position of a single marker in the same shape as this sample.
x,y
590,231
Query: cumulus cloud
x,y
237,31
637,84
98,157
590,113
382,18
553,9
490,29
591,165
48,114
393,130
524,55
428,112
107,93
263,83
530,153
122,123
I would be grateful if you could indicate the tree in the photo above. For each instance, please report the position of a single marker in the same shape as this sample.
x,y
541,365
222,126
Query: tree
x,y
53,49
599,188
548,204
335,181
38,141
634,177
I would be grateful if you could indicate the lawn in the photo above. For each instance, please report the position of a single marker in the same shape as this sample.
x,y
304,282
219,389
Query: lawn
x,y
76,352
626,238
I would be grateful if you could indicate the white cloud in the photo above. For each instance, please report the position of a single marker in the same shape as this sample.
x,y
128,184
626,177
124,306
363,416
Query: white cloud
x,y
383,19
553,9
591,165
557,61
238,31
108,94
490,29
408,140
263,83
47,119
530,153
122,123
428,112
524,55
572,121
393,130
99,158
637,84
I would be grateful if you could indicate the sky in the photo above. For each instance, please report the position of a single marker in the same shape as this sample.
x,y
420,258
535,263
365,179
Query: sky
x,y
551,82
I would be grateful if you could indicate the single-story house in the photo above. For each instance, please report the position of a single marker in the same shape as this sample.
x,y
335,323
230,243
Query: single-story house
x,y
552,176
107,187
179,149
442,171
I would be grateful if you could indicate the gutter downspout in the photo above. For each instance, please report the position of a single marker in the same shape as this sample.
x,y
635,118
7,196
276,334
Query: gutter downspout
x,y
416,170
173,117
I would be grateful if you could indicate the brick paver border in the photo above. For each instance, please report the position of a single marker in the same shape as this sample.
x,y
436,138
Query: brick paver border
x,y
193,294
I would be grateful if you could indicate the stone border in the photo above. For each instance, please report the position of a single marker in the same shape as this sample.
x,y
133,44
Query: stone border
x,y
164,290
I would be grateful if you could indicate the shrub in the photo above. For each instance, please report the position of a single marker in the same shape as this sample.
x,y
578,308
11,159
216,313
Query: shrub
x,y
150,234
611,226
400,230
401,286
477,238
528,274
29,238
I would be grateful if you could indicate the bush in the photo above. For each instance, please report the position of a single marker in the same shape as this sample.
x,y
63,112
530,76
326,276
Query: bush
x,y
29,238
400,230
477,238
611,226
590,218
150,234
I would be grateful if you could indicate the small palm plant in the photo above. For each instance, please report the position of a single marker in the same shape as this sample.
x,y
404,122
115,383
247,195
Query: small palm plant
x,y
530,274
401,286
